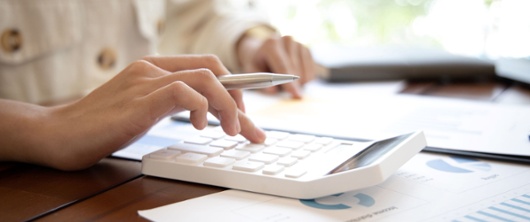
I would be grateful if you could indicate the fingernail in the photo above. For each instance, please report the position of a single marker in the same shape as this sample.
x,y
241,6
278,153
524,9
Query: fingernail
x,y
238,127
260,135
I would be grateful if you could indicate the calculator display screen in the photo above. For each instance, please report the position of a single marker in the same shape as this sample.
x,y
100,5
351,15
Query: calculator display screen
x,y
370,153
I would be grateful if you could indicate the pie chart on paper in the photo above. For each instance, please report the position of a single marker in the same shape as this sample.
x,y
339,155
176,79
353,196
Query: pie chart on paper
x,y
456,164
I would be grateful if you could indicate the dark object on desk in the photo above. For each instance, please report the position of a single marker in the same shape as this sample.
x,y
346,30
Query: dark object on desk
x,y
396,63
516,69
490,156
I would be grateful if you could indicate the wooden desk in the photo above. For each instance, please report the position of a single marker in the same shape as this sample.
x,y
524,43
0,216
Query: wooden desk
x,y
29,191
114,189
123,202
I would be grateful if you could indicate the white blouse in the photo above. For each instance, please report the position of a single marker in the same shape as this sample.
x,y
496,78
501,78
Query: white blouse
x,y
54,50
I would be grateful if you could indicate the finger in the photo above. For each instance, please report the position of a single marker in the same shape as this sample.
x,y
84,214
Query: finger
x,y
292,50
294,89
187,62
308,66
276,56
237,95
278,60
301,59
184,62
172,98
249,130
220,101
271,90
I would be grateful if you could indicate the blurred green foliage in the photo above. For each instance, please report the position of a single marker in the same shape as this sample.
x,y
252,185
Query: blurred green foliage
x,y
381,19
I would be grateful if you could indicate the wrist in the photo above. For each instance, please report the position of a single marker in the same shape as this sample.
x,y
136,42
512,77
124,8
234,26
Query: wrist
x,y
251,41
261,32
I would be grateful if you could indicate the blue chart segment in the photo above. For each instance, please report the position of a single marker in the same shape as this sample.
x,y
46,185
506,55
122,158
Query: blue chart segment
x,y
459,165
340,201
514,209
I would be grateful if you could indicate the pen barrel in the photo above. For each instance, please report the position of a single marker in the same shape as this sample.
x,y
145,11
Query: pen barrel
x,y
243,81
253,81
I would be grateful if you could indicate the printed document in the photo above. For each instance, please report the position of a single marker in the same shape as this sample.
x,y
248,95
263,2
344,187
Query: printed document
x,y
351,112
430,187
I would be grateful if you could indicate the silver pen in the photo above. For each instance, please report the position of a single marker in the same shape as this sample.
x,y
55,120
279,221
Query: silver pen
x,y
255,80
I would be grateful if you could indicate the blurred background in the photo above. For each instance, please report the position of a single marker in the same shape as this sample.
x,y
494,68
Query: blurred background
x,y
479,28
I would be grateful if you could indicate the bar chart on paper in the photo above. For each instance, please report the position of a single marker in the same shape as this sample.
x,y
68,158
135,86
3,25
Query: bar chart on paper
x,y
465,189
512,206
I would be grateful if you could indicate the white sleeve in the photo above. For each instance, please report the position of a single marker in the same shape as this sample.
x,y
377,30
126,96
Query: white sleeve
x,y
208,27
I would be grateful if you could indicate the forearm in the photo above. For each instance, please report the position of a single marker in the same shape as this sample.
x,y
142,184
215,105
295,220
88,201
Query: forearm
x,y
22,128
48,136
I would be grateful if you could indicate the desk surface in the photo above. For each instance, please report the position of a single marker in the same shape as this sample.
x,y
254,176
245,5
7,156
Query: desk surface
x,y
115,189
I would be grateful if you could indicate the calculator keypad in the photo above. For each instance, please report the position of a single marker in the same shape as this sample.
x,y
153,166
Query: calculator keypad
x,y
280,154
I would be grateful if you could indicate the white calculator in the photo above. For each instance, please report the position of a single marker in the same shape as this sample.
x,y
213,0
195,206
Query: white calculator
x,y
287,164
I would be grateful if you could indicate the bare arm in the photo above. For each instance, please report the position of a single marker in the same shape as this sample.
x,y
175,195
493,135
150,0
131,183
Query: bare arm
x,y
79,134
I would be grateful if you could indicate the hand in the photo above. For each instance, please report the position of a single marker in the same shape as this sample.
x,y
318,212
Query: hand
x,y
278,55
79,134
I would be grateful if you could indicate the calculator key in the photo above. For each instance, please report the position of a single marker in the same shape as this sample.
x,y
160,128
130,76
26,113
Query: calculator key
x,y
313,147
191,158
219,162
238,138
164,154
302,138
279,151
251,147
248,166
290,144
202,149
324,140
295,172
301,154
277,135
236,154
273,169
287,161
262,157
198,140
225,144
270,141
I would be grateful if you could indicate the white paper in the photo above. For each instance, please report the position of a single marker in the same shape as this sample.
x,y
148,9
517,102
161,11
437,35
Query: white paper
x,y
353,111
430,187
